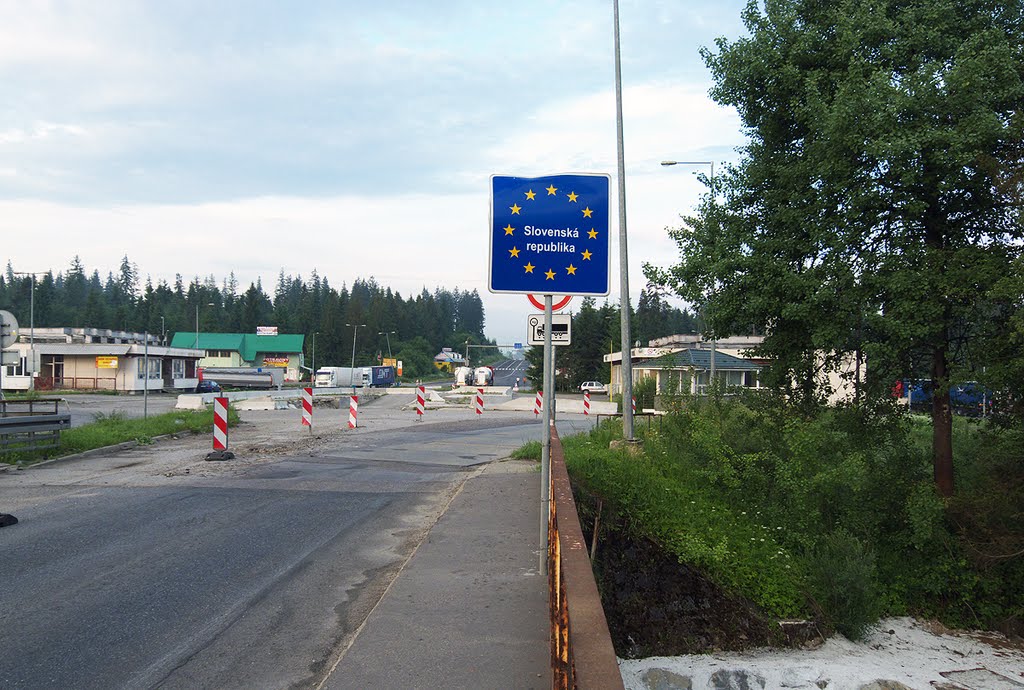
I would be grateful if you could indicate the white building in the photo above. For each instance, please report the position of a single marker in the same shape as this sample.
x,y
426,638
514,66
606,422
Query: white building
x,y
98,359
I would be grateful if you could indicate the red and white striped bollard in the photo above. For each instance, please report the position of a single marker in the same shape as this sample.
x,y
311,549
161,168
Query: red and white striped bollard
x,y
353,411
479,400
421,401
586,402
220,423
537,403
307,408
634,405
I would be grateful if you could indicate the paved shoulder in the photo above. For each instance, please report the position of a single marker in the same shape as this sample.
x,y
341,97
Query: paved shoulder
x,y
470,608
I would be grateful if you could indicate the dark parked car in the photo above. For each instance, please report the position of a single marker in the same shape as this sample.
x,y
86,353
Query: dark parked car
x,y
208,386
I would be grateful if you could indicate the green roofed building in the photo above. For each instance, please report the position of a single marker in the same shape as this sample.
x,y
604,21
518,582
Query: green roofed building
x,y
246,350
690,370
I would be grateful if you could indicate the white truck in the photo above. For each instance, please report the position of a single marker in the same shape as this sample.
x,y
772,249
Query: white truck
x,y
342,377
483,376
464,376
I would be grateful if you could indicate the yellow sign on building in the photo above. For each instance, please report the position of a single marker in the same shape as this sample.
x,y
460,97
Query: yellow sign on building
x,y
106,362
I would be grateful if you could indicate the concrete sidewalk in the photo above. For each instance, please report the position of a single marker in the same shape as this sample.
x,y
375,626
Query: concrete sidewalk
x,y
469,610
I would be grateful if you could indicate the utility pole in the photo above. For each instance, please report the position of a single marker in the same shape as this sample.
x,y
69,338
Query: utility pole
x,y
627,359
31,329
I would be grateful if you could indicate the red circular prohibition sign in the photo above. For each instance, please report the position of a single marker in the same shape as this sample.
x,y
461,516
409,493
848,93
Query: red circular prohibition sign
x,y
554,306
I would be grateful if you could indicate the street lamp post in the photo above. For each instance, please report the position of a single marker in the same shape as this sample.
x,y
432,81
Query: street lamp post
x,y
163,332
312,375
711,374
31,329
351,370
624,325
387,334
196,344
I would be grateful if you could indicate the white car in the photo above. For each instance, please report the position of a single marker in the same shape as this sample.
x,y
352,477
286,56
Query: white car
x,y
593,387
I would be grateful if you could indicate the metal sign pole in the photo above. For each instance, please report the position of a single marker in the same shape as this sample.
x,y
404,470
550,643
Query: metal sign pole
x,y
145,365
545,455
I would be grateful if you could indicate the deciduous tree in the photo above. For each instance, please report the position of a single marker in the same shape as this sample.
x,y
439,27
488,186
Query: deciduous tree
x,y
877,203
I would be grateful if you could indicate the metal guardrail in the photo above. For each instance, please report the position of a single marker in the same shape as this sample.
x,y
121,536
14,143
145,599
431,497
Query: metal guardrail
x,y
582,655
650,417
27,425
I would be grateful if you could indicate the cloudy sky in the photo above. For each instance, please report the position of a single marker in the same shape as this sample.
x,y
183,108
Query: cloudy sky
x,y
356,139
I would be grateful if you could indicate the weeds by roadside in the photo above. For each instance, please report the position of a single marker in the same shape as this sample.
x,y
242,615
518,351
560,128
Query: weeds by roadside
x,y
114,428
832,516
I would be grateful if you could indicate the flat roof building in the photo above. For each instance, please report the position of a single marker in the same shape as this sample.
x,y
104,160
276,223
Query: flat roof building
x,y
98,359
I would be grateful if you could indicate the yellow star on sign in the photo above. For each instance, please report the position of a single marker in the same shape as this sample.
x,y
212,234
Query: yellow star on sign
x,y
551,190
572,196
509,229
570,269
586,255
530,194
529,267
514,252
550,274
592,234
586,212
515,209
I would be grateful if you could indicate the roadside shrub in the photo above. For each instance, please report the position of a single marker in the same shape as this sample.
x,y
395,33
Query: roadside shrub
x,y
843,580
644,390
741,487
530,451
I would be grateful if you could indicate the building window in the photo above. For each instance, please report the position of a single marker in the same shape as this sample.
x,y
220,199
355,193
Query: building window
x,y
225,354
154,368
178,368
17,369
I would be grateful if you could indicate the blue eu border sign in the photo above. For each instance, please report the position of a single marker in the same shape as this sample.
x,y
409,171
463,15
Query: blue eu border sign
x,y
550,235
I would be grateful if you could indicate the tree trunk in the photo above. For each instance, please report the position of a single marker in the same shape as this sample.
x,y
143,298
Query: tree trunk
x,y
942,424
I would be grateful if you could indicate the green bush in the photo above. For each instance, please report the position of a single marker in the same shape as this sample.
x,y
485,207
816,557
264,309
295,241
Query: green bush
x,y
835,510
843,580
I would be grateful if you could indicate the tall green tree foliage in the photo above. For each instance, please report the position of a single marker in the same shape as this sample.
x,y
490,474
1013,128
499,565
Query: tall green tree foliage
x,y
877,203
418,327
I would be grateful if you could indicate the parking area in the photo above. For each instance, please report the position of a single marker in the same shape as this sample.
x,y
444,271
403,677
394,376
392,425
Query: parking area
x,y
84,407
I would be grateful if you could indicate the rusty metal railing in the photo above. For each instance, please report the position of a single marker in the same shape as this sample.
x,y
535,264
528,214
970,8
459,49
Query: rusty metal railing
x,y
582,655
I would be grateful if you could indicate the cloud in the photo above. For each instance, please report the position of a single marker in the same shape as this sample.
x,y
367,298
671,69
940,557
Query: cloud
x,y
241,135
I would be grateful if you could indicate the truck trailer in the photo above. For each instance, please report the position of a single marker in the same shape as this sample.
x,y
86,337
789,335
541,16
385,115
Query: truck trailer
x,y
382,376
358,377
338,377
244,377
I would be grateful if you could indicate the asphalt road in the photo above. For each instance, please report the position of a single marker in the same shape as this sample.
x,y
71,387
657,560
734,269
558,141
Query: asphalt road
x,y
152,568
507,371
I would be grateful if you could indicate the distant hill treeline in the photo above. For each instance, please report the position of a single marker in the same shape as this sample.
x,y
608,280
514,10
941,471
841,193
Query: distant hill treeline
x,y
417,326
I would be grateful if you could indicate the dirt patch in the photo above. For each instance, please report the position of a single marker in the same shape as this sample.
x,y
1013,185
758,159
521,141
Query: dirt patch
x,y
657,606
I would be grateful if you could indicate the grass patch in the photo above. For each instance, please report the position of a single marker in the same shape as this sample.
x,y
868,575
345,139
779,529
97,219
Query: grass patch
x,y
832,516
109,430
531,451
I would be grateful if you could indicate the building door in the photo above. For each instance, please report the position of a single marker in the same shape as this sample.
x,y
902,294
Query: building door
x,y
51,368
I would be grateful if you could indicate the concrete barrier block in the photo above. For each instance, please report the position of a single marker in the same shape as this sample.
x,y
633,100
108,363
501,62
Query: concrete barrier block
x,y
189,402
